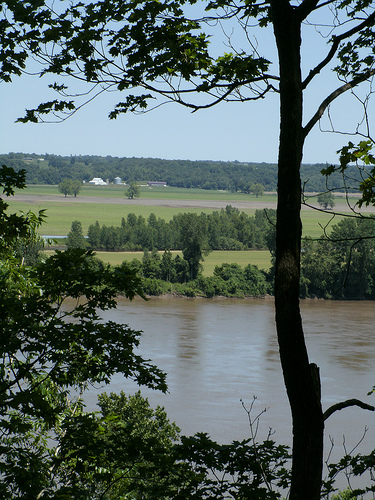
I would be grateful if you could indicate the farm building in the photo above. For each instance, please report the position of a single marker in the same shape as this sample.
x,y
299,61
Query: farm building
x,y
98,181
156,183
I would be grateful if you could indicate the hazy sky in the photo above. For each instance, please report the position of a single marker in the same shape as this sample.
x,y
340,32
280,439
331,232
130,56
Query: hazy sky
x,y
235,131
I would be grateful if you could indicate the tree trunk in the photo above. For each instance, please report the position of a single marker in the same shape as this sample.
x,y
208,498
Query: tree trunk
x,y
301,379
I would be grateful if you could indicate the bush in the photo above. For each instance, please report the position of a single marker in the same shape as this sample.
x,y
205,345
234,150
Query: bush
x,y
154,286
212,286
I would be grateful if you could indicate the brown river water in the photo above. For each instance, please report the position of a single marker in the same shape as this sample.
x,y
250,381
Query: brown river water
x,y
218,352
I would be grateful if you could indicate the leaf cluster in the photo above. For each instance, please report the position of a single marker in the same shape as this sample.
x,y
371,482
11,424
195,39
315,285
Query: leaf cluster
x,y
130,45
361,156
15,226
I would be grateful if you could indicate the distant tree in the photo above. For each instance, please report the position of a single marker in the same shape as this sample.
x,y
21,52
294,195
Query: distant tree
x,y
193,236
326,200
257,189
75,236
151,264
133,191
70,187
181,270
76,187
93,235
65,187
166,266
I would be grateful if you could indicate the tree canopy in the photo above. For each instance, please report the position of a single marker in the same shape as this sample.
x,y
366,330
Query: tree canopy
x,y
54,344
70,187
133,191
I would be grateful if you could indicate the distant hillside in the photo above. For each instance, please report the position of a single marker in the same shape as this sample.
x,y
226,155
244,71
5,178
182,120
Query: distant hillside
x,y
230,176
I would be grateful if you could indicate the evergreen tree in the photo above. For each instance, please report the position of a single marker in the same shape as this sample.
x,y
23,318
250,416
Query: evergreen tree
x,y
75,238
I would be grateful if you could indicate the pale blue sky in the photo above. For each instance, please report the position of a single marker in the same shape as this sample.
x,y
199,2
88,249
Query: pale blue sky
x,y
236,131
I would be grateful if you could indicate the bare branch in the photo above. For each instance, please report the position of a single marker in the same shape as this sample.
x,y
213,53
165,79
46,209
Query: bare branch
x,y
335,44
336,93
346,404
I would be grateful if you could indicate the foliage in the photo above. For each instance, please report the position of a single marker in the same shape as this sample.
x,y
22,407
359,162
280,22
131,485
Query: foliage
x,y
133,191
326,200
123,452
342,265
166,274
227,229
54,342
345,495
130,450
364,161
75,238
70,187
355,466
243,469
250,280
210,175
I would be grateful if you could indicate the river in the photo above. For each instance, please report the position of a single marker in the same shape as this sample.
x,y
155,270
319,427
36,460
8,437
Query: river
x,y
218,352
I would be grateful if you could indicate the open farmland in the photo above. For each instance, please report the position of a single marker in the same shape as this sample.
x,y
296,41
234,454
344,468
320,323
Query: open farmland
x,y
108,204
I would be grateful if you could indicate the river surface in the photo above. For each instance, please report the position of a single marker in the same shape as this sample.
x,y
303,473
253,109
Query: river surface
x,y
218,352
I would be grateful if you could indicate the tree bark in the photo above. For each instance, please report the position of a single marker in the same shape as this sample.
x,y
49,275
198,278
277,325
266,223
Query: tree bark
x,y
301,379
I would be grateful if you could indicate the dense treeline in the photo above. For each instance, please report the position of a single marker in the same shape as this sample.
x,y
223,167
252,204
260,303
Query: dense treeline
x,y
195,235
340,267
231,176
164,273
343,266
227,229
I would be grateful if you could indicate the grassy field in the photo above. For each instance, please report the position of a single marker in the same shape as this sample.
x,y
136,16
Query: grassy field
x,y
61,214
149,193
259,258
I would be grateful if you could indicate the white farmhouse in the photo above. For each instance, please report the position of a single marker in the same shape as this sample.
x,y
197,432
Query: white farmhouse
x,y
98,181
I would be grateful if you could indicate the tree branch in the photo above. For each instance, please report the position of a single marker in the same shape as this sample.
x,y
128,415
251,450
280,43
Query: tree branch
x,y
335,44
305,8
336,93
346,404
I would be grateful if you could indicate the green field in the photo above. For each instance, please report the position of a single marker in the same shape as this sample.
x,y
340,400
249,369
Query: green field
x,y
156,193
259,258
61,214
